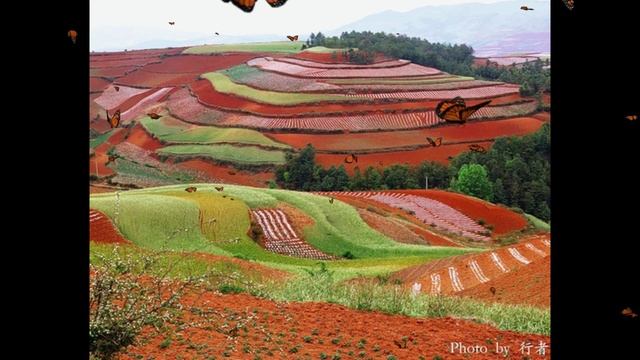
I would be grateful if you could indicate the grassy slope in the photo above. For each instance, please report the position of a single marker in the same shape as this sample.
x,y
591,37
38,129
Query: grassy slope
x,y
276,46
223,84
207,134
224,152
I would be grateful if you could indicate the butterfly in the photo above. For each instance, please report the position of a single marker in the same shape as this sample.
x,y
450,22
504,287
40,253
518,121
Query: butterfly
x,y
628,312
217,33
232,172
172,22
191,189
117,88
221,188
351,158
525,8
435,143
331,200
568,3
247,5
154,116
72,34
493,290
114,120
456,110
632,117
477,148
112,158
292,38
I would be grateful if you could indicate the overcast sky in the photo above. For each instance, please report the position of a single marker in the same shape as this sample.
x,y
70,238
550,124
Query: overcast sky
x,y
121,23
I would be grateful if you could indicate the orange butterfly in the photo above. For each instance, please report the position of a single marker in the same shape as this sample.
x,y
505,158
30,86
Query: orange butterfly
x,y
477,148
331,200
568,3
525,8
628,312
247,5
351,158
632,117
172,22
154,116
117,88
114,120
292,38
191,189
221,188
456,110
435,143
72,34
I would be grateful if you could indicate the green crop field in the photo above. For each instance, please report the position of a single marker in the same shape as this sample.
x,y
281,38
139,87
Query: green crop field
x,y
194,134
248,155
223,84
276,46
100,139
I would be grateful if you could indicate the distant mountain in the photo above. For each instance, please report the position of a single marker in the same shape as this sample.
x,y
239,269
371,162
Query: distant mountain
x,y
491,29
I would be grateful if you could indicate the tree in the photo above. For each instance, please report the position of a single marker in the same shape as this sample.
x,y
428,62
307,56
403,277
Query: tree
x,y
473,180
357,182
373,179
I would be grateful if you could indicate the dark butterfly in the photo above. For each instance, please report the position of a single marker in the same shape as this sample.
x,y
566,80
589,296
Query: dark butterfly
x,y
632,117
232,198
493,290
117,88
221,188
73,35
191,189
331,200
477,148
449,157
455,110
568,3
351,159
628,312
114,120
154,116
232,172
112,158
172,22
398,34
247,5
292,38
525,8
435,143
217,33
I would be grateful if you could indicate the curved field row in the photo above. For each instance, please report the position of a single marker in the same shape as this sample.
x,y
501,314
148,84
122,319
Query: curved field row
x,y
256,78
228,153
326,56
209,96
194,134
139,53
97,85
198,64
102,230
429,79
226,174
270,64
276,46
145,79
451,83
319,65
473,93
440,154
182,105
111,99
281,238
369,122
120,63
140,107
355,142
111,72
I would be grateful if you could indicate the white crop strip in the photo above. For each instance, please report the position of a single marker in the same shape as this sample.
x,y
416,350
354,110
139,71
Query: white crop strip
x,y
516,255
435,284
498,262
535,250
547,243
477,271
455,280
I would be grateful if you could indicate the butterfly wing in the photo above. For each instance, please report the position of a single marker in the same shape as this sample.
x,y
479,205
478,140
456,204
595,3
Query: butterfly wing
x,y
431,142
569,4
465,113
244,5
355,158
115,120
438,141
276,3
348,159
295,38
449,109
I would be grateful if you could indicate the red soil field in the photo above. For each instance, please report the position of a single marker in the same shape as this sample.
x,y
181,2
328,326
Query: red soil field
x,y
146,79
327,58
503,220
139,137
390,228
484,92
209,96
543,116
141,61
320,65
145,52
199,64
111,72
123,99
440,154
226,174
323,322
472,131
185,107
97,84
102,230
530,285
100,160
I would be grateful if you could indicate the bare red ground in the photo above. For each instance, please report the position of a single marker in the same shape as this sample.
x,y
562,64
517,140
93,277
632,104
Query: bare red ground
x,y
279,327
145,79
199,64
102,230
97,84
530,285
503,220
137,61
139,137
209,96
227,174
543,116
472,131
390,228
380,160
97,56
101,159
111,72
